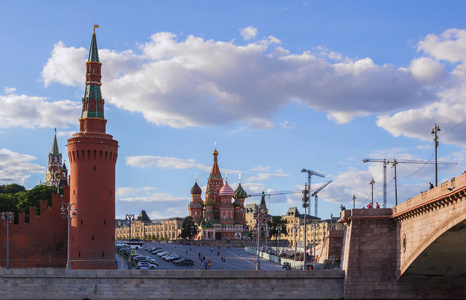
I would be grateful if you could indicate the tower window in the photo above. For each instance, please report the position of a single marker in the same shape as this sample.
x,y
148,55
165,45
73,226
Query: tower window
x,y
92,237
104,222
103,254
79,254
81,222
94,168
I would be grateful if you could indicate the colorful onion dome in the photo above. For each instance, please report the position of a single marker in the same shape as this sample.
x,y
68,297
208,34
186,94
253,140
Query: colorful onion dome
x,y
236,203
196,190
226,190
209,201
240,193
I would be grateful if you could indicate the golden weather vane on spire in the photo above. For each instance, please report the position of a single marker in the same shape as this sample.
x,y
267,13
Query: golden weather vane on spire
x,y
95,26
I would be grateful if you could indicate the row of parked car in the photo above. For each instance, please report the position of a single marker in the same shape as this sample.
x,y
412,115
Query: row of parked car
x,y
170,257
145,262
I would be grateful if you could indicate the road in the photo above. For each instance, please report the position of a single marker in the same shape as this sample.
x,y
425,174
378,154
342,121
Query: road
x,y
235,258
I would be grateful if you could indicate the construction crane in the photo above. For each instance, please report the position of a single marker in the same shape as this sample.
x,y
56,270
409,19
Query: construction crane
x,y
394,162
274,193
314,194
309,174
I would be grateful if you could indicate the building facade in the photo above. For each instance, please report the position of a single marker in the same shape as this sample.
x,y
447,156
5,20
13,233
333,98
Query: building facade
x,y
145,229
316,228
222,216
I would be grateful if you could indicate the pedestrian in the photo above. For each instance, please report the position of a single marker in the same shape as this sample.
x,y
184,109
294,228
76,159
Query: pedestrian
x,y
218,253
377,205
209,264
369,205
212,249
199,254
431,186
186,252
205,265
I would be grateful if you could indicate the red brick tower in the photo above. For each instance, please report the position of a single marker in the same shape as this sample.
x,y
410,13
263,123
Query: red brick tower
x,y
196,206
93,154
214,184
226,209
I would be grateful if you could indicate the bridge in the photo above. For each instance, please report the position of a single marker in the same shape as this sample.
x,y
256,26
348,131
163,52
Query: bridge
x,y
416,249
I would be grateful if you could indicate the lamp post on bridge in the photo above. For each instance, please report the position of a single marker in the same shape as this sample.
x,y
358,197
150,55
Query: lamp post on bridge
x,y
7,216
295,231
259,212
68,212
130,219
279,228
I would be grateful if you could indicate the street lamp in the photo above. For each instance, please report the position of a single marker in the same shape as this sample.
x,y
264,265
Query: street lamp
x,y
66,208
372,193
130,219
314,243
279,228
305,205
295,231
259,212
435,131
7,216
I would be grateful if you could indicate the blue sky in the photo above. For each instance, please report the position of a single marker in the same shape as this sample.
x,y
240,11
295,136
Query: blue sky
x,y
278,85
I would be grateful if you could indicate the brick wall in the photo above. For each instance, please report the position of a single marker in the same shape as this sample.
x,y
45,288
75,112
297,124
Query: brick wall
x,y
40,243
169,284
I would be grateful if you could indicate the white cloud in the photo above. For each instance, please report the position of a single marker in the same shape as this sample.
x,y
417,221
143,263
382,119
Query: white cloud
x,y
31,112
171,163
63,59
156,197
261,168
450,108
427,69
125,191
248,32
16,167
286,125
9,90
449,46
65,133
267,176
165,162
197,82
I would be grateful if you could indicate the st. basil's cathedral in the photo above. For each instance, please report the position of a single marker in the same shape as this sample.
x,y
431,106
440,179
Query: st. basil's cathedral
x,y
222,215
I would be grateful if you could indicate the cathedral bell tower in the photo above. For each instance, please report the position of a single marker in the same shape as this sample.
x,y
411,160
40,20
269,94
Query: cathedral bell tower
x,y
92,156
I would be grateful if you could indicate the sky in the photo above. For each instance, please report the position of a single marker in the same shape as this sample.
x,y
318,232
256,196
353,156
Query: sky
x,y
277,86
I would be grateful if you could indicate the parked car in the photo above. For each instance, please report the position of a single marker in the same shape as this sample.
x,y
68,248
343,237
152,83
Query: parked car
x,y
143,266
172,258
160,254
153,266
184,261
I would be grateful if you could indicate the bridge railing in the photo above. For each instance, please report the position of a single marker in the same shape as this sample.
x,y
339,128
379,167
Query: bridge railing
x,y
437,192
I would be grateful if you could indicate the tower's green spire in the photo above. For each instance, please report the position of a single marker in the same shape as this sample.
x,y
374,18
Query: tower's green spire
x,y
55,144
93,104
93,52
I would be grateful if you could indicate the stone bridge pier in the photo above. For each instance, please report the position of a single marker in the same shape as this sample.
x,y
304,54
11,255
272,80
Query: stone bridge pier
x,y
414,250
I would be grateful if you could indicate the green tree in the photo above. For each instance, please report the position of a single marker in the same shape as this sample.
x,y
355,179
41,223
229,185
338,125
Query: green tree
x,y
188,228
11,189
8,202
276,222
32,197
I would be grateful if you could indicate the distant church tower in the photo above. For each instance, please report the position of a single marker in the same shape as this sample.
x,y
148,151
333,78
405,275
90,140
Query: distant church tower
x,y
57,174
93,154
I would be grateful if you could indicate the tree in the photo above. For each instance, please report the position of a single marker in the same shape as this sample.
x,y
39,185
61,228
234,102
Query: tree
x,y
11,189
32,197
8,202
188,228
276,222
